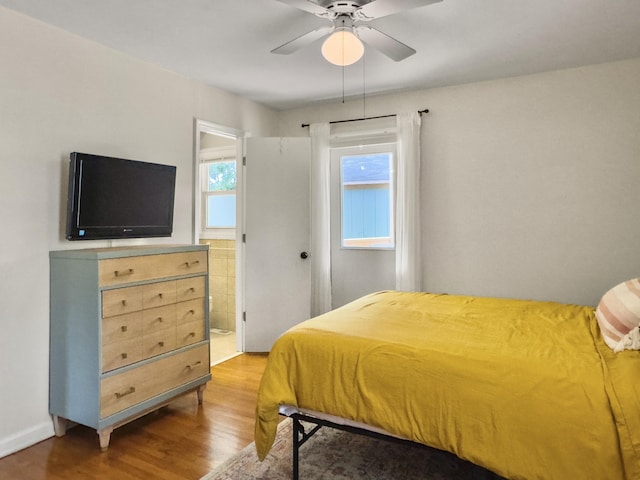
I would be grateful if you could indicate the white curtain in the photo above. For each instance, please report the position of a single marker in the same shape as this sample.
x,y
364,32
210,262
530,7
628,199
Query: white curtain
x,y
408,258
320,219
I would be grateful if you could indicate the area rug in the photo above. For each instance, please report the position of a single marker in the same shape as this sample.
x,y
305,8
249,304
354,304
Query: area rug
x,y
337,455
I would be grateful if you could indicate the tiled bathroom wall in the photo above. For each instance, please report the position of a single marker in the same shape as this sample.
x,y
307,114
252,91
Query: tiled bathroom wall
x,y
222,283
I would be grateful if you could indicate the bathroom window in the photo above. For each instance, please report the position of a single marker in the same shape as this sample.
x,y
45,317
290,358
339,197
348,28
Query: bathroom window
x,y
219,194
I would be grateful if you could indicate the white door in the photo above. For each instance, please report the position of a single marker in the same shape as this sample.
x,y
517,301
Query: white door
x,y
277,279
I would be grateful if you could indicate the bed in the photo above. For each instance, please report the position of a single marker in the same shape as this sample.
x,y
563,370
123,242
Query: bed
x,y
526,389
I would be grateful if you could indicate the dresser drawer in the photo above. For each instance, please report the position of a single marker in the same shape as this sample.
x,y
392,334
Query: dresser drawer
x,y
155,343
117,271
158,294
121,328
188,333
121,300
159,318
190,288
116,355
191,311
126,389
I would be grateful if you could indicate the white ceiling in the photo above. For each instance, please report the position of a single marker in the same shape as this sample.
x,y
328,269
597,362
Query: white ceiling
x,y
227,43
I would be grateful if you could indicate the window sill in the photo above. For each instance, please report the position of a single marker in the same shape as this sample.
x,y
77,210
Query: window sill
x,y
219,234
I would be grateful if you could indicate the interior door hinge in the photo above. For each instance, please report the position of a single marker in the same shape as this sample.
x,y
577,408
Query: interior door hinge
x,y
244,160
244,316
244,238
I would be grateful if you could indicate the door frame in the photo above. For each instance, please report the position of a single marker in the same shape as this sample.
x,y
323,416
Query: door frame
x,y
203,126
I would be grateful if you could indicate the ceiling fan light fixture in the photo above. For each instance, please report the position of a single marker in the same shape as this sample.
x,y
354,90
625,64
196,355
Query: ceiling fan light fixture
x,y
342,48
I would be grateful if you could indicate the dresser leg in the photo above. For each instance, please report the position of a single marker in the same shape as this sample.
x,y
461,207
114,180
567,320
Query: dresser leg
x,y
105,437
200,392
59,426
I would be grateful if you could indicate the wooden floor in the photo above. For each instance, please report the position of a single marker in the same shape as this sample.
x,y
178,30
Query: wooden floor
x,y
179,442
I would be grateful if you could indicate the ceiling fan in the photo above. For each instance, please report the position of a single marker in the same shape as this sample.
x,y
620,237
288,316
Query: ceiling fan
x,y
350,18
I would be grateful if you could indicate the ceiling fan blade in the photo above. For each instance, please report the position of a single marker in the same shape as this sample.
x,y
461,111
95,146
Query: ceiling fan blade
x,y
382,8
391,47
303,40
308,6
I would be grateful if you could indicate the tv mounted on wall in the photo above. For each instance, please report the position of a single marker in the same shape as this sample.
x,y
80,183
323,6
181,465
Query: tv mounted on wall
x,y
111,198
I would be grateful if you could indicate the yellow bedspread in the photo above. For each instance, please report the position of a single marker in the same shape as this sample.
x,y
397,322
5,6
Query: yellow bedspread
x,y
526,389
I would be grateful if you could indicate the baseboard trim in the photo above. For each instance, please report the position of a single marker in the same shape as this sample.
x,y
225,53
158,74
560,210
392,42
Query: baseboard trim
x,y
25,438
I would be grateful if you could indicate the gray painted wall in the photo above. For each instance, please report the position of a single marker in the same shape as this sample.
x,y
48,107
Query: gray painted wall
x,y
58,94
529,184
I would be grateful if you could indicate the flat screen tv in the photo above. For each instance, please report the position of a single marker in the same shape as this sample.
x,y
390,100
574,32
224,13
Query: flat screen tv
x,y
113,198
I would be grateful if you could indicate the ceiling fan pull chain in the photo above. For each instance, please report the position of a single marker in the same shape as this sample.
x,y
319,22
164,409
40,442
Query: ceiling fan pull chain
x,y
343,67
364,88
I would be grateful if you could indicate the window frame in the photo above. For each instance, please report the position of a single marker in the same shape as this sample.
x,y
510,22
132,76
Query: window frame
x,y
368,149
207,157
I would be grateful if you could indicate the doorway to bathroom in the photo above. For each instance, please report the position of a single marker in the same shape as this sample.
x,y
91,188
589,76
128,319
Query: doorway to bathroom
x,y
215,225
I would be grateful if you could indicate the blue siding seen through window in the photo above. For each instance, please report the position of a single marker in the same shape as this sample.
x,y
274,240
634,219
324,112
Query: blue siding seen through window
x,y
365,212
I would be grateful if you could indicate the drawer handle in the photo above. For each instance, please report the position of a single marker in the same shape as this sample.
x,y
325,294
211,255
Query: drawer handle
x,y
161,344
194,365
124,356
190,264
191,334
192,311
123,328
160,295
193,290
124,303
124,394
159,319
122,273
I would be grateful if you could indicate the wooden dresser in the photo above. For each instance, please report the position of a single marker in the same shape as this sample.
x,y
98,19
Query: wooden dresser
x,y
129,332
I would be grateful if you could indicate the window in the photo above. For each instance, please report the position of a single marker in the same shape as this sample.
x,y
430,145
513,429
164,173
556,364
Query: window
x,y
366,183
220,194
217,180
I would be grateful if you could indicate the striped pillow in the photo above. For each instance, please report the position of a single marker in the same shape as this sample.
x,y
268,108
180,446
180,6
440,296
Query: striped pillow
x,y
618,314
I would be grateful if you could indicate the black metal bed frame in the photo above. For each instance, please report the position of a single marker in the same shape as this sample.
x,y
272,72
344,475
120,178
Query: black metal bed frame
x,y
300,435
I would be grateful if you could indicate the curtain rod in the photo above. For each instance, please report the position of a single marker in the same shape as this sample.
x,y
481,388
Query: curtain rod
x,y
426,110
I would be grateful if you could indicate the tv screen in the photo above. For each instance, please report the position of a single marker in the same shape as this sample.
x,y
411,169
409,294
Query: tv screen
x,y
113,198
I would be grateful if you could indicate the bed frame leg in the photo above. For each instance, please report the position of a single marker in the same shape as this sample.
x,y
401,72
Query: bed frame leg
x,y
296,445
300,436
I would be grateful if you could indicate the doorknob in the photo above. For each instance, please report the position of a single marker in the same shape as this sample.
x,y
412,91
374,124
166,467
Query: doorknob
x,y
304,255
